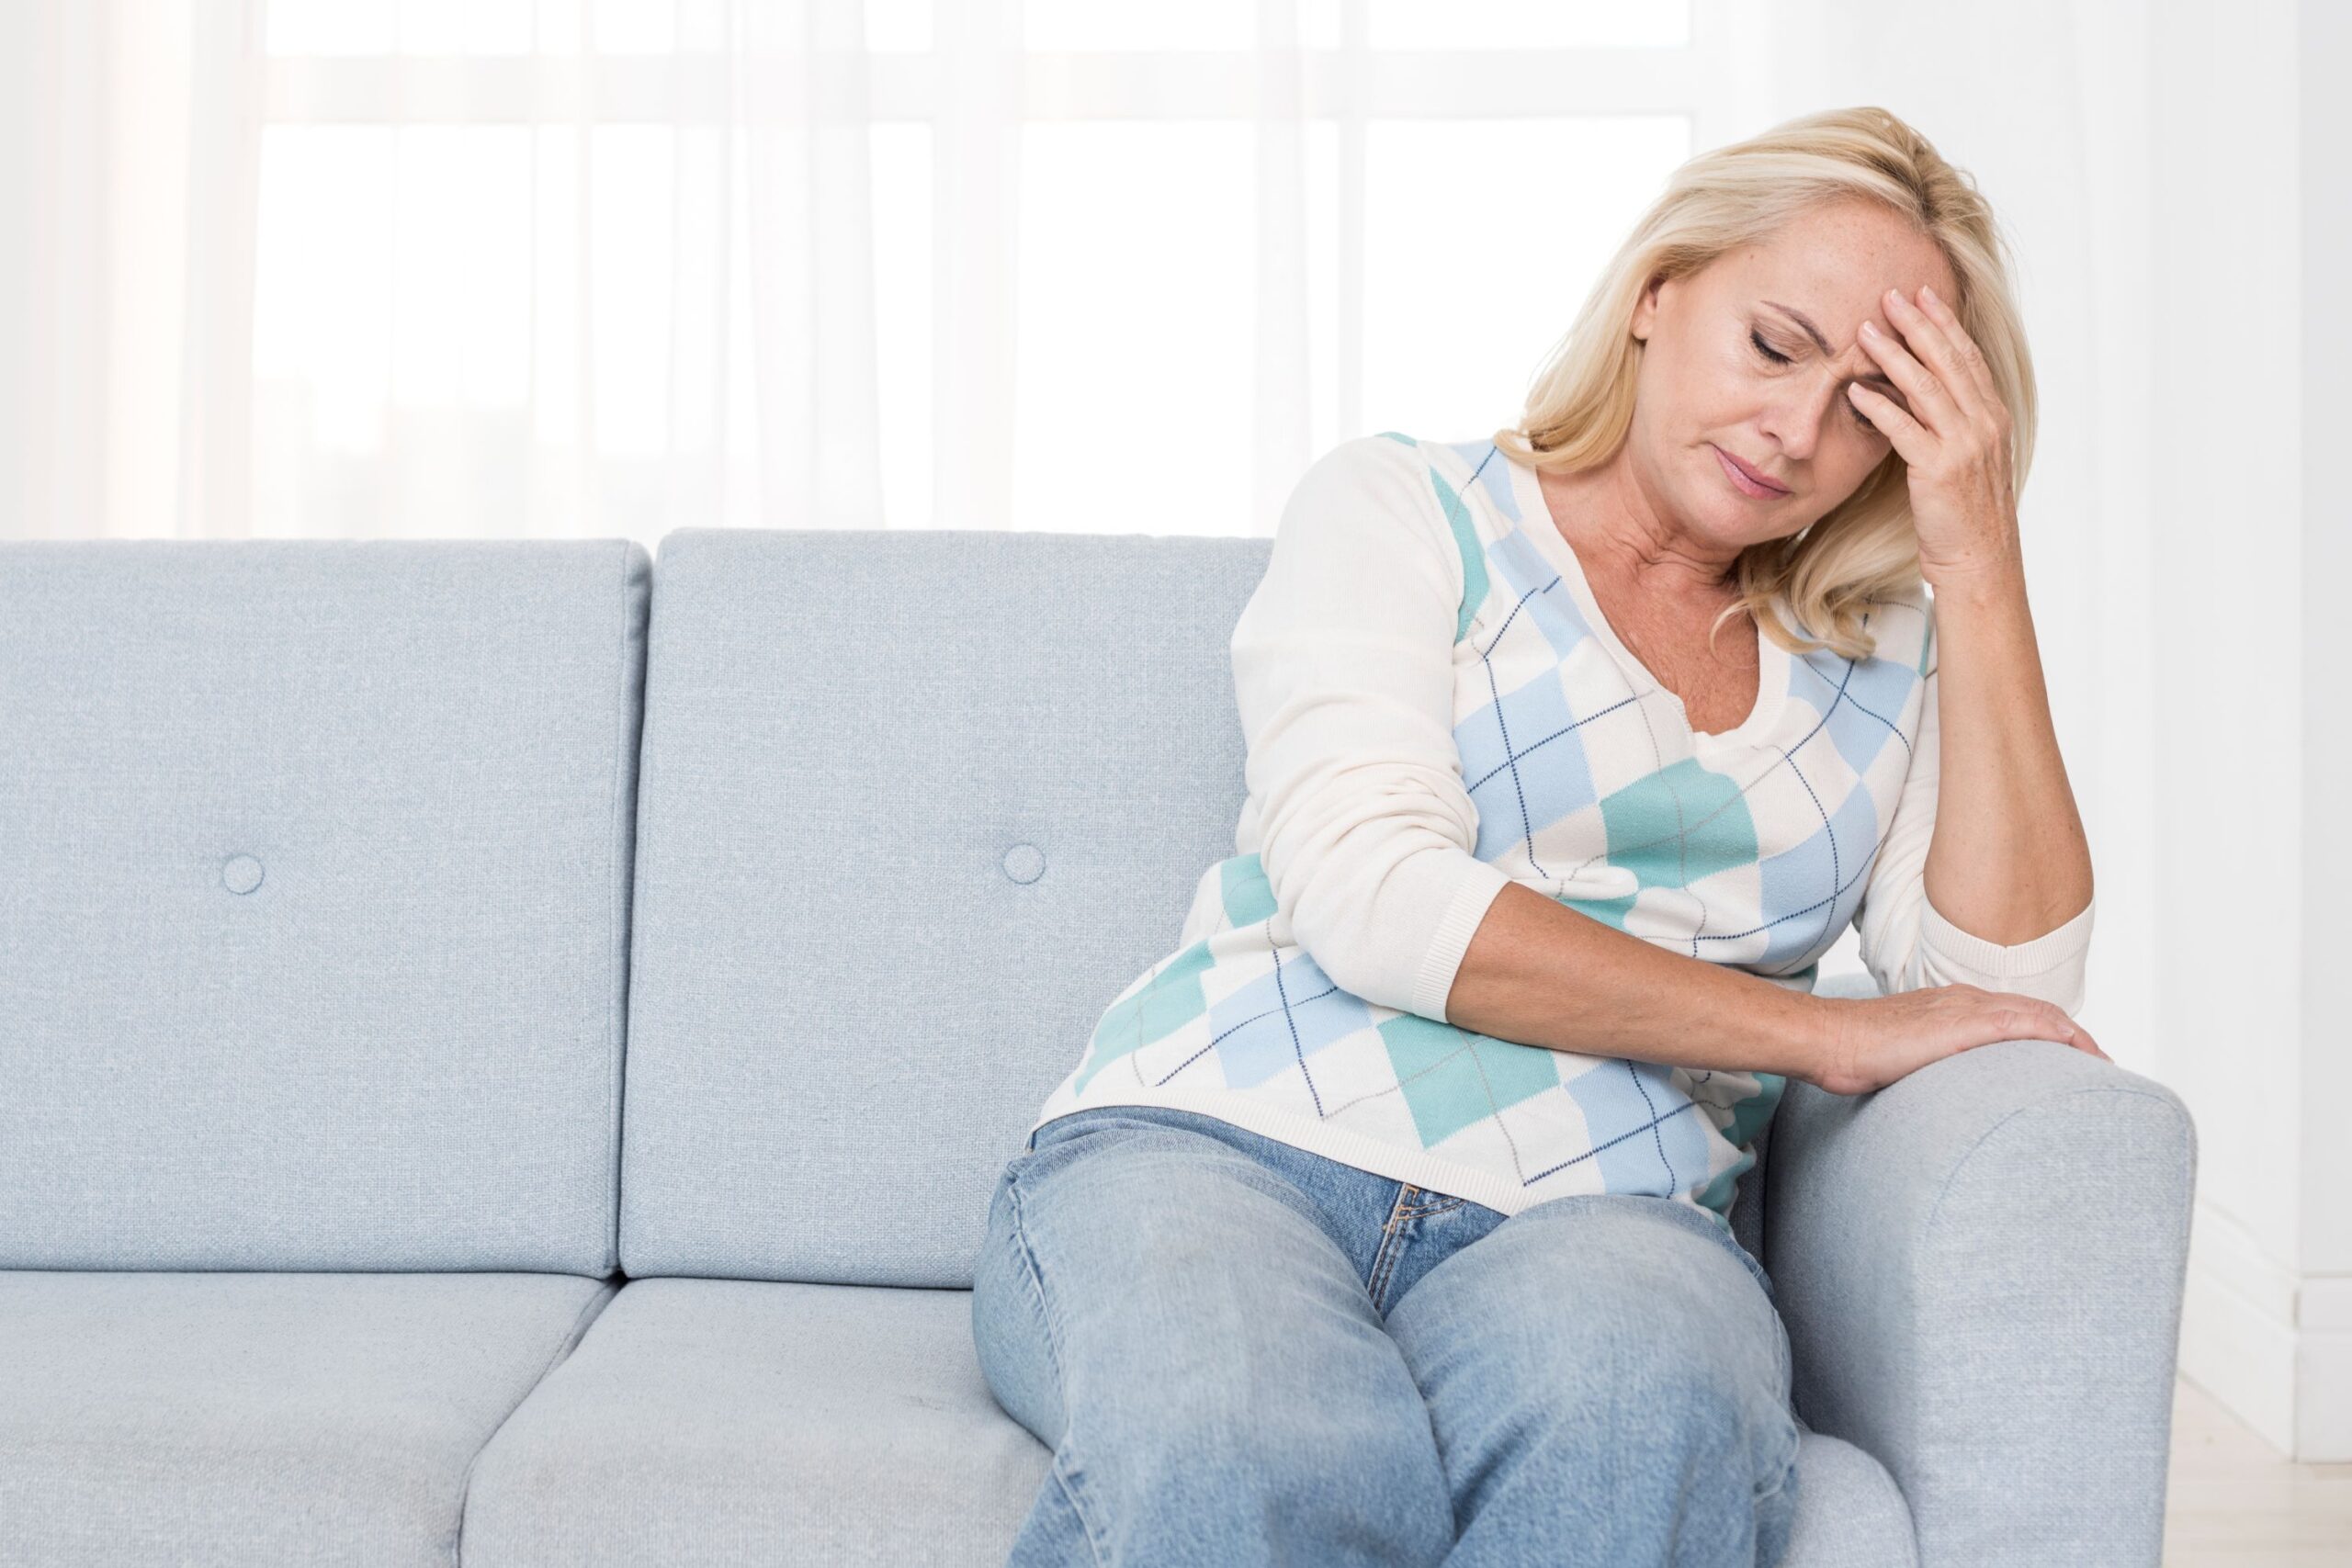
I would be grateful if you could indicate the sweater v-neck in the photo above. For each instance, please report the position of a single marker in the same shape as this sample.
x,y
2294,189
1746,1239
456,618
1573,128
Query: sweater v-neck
x,y
1772,660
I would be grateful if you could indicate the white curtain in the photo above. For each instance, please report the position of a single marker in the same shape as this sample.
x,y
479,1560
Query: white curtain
x,y
127,190
578,268
593,285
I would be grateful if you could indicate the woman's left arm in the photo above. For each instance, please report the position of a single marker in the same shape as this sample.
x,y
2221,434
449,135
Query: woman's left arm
x,y
2008,861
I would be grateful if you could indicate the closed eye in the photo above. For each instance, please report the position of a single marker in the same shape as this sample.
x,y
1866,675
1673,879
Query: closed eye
x,y
1765,350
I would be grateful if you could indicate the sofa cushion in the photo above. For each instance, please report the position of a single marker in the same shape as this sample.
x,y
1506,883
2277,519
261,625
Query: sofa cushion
x,y
740,1422
916,806
723,1423
236,1418
312,953
1850,1512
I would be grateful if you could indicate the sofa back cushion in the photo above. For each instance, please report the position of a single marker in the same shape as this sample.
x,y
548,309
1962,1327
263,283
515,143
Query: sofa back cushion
x,y
915,807
311,951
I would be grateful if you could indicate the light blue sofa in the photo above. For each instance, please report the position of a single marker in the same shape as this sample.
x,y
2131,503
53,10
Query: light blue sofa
x,y
504,1051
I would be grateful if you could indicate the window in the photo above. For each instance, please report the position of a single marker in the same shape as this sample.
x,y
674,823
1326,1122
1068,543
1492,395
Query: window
x,y
494,241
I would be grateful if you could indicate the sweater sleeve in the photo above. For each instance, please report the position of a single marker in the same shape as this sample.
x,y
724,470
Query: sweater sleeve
x,y
1344,666
1907,945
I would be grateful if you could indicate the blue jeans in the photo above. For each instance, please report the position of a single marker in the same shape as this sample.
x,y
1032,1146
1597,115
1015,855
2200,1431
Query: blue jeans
x,y
1243,1353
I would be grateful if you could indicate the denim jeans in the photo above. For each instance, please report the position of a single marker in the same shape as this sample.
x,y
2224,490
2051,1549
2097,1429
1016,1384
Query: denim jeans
x,y
1241,1353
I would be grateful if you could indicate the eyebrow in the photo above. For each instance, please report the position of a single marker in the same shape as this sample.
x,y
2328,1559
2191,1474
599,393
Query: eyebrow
x,y
1822,344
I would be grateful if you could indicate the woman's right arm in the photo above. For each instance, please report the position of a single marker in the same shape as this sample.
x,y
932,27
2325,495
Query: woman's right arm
x,y
1542,974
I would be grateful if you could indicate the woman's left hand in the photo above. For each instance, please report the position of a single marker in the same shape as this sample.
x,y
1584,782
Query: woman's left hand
x,y
1955,438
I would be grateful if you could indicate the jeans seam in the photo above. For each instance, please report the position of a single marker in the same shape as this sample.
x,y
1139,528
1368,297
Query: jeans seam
x,y
1723,1237
1070,1496
1035,1278
1382,1266
1392,1240
1787,1466
1780,1350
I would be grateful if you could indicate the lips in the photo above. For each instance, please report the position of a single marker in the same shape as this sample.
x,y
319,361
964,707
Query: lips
x,y
1754,478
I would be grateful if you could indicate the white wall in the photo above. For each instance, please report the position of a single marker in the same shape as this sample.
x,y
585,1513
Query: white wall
x,y
2324,1373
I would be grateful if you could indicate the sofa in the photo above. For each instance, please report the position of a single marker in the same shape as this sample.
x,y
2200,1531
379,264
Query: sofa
x,y
504,1052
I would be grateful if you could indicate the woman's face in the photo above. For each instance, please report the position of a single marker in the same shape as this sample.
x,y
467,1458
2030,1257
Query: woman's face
x,y
1710,381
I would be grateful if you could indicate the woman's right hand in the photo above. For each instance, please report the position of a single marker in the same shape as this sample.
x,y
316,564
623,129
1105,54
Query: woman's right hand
x,y
1870,1041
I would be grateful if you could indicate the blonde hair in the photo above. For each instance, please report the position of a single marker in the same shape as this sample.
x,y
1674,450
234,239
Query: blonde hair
x,y
1580,405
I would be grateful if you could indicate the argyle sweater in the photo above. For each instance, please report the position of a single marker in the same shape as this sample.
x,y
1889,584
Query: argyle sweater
x,y
1434,706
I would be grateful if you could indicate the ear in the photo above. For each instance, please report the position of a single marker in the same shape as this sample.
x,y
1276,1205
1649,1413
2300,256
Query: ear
x,y
1646,308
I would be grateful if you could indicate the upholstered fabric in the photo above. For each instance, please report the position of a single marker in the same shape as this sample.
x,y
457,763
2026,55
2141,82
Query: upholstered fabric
x,y
1849,1514
915,807
228,1419
720,1423
1981,1270
311,949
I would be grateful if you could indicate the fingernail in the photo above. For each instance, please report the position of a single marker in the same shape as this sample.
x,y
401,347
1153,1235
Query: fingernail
x,y
1869,329
1928,294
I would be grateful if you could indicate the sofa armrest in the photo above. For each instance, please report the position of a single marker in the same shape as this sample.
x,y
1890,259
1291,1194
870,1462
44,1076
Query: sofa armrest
x,y
1981,1268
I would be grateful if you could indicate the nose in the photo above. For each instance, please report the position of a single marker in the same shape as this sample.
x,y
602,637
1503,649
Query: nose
x,y
1796,421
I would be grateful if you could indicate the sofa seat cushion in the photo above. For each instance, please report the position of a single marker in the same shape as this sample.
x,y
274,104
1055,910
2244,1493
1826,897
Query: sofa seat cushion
x,y
749,1422
1850,1512
230,1419
728,1422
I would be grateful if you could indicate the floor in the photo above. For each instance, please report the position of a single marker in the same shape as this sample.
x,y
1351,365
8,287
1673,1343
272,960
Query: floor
x,y
2233,1500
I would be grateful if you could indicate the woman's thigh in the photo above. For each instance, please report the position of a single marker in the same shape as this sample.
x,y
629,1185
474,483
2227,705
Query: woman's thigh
x,y
1176,1319
1608,1380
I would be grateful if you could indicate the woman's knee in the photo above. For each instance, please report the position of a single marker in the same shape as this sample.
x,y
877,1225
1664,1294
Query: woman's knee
x,y
1131,1264
1586,1328
1648,1277
1010,1334
1193,1345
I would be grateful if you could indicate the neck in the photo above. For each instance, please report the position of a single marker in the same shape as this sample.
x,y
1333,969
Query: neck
x,y
1610,524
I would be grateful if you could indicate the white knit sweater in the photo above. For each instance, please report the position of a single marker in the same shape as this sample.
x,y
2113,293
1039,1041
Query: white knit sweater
x,y
1434,706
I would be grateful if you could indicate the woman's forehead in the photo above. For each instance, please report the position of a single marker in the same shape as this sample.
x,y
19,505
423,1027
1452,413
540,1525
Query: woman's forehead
x,y
1835,277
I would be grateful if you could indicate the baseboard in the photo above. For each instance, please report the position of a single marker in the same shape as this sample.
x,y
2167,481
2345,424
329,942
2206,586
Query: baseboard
x,y
2324,1394
2274,1348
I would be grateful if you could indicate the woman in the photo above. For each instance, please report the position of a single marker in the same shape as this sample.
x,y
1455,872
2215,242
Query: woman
x,y
1387,1220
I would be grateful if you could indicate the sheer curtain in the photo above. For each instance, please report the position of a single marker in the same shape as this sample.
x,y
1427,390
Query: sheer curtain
x,y
128,136
565,267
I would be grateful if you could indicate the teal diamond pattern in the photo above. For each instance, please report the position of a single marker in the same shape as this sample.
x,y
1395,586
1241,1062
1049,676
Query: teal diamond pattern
x,y
1451,1078
1172,999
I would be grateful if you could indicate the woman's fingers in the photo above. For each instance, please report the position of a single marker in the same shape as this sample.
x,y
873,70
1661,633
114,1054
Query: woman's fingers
x,y
2074,1034
2056,1025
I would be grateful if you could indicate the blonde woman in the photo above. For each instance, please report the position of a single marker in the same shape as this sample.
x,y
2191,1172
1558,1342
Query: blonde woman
x,y
1386,1221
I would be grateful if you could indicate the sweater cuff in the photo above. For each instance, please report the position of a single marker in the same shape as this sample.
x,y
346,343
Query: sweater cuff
x,y
1481,882
2044,952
